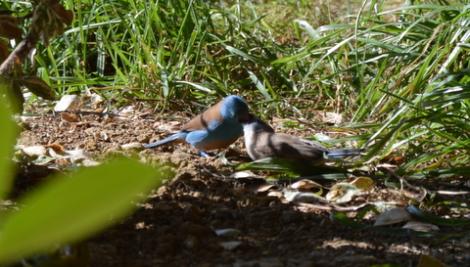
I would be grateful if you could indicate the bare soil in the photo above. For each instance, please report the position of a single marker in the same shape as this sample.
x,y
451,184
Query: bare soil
x,y
182,222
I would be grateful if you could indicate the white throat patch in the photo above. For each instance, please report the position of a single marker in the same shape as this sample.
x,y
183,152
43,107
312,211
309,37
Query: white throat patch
x,y
249,134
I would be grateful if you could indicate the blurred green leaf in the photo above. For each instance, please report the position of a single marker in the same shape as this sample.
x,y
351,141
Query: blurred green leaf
x,y
429,261
73,207
7,141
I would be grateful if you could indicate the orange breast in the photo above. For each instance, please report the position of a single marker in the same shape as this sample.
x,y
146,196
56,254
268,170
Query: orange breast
x,y
219,144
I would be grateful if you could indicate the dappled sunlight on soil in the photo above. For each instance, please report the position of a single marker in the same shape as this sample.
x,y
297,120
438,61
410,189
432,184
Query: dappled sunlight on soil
x,y
205,217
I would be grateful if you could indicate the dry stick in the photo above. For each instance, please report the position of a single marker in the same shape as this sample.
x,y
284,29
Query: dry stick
x,y
452,193
440,192
404,182
87,112
329,207
16,58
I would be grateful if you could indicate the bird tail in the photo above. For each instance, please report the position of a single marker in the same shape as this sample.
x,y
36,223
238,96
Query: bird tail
x,y
343,153
169,139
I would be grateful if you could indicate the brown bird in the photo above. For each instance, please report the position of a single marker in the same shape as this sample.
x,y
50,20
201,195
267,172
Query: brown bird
x,y
262,142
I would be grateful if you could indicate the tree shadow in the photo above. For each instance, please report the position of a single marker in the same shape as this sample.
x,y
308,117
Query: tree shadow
x,y
177,226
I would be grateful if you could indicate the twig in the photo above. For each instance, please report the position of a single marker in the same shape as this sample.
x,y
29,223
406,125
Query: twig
x,y
404,182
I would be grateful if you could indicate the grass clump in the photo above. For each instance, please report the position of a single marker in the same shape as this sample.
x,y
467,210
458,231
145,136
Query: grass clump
x,y
401,68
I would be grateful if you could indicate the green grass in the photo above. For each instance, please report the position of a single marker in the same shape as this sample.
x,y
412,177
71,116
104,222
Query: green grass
x,y
403,67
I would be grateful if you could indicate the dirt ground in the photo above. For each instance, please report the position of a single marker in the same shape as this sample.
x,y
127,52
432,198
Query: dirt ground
x,y
205,217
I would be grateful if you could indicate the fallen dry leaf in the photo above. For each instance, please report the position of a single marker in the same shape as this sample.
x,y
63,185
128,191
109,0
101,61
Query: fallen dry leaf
x,y
34,151
363,183
305,185
277,194
420,226
67,102
393,216
58,148
332,117
265,188
243,174
230,245
342,193
132,146
96,101
126,111
305,197
227,232
69,117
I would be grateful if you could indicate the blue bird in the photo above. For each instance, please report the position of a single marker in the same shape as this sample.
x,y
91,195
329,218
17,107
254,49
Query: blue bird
x,y
216,128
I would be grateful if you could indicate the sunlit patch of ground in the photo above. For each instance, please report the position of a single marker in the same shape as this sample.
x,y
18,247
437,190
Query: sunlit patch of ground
x,y
205,217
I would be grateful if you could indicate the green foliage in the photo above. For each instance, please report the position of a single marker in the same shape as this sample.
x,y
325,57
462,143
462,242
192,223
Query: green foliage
x,y
402,67
417,84
70,207
166,48
48,18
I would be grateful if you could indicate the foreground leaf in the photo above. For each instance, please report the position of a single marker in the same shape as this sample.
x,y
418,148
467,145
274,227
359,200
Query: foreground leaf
x,y
429,261
7,141
72,208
